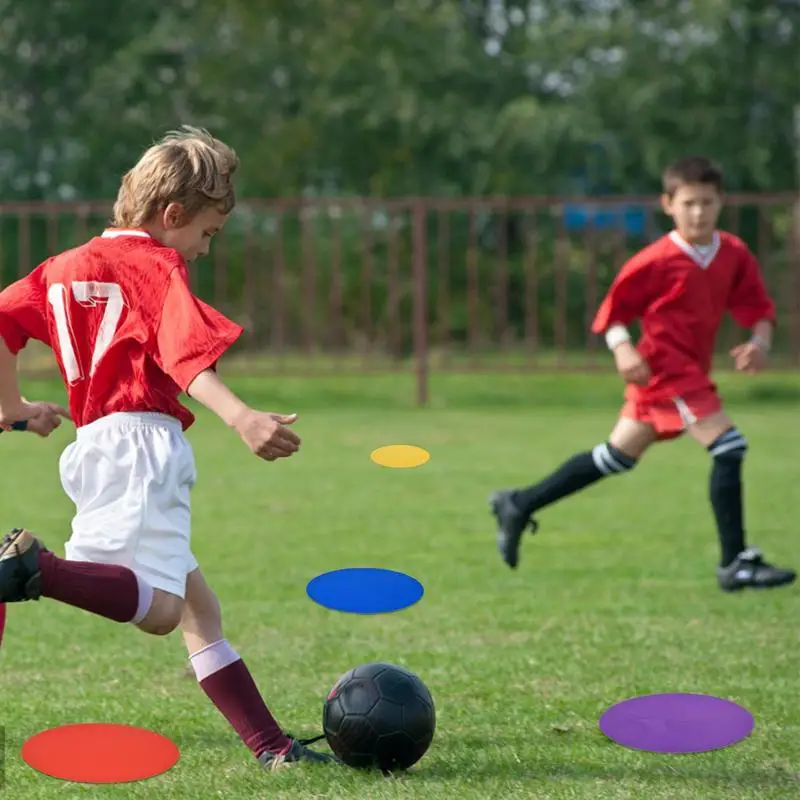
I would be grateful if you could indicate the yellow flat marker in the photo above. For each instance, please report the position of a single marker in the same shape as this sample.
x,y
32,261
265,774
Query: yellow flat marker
x,y
400,456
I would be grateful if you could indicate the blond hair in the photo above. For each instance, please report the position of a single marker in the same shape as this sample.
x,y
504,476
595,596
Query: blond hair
x,y
188,166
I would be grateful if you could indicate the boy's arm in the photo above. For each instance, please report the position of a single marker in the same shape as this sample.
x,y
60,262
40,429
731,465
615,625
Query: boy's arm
x,y
11,403
761,334
752,307
190,338
17,413
209,389
750,303
627,300
264,433
22,317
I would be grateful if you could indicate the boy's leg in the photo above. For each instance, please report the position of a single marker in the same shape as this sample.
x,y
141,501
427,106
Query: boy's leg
x,y
739,566
228,683
514,509
112,527
28,572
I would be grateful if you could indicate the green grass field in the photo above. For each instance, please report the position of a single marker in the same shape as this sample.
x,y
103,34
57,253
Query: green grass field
x,y
615,597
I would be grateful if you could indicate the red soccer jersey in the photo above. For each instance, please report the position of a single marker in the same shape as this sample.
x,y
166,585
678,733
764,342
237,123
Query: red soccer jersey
x,y
680,294
127,332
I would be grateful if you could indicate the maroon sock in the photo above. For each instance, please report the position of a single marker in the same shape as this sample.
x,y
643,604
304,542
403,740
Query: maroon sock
x,y
104,589
234,692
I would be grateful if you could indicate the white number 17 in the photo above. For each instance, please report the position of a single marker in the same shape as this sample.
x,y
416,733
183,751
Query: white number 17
x,y
87,294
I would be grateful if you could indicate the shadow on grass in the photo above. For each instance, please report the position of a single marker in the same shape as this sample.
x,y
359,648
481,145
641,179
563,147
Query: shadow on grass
x,y
742,777
683,768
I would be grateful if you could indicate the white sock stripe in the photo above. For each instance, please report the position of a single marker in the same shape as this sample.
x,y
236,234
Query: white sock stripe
x,y
205,649
213,658
145,600
605,461
737,444
727,442
599,458
616,466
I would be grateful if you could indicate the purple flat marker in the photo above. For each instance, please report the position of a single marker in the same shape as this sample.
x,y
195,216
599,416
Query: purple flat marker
x,y
676,723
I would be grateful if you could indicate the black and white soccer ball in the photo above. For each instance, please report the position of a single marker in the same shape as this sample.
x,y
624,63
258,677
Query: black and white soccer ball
x,y
379,716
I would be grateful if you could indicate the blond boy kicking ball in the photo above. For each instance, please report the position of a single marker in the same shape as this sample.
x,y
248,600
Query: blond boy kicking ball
x,y
679,288
130,337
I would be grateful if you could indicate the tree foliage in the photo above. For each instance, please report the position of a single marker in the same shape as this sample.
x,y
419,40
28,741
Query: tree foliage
x,y
440,97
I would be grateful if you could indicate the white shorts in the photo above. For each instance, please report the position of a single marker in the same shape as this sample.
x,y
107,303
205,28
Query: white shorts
x,y
130,478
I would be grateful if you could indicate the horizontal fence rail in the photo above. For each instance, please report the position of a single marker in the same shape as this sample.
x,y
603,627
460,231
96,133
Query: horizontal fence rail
x,y
329,285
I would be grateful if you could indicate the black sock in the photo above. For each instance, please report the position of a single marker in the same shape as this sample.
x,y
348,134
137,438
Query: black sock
x,y
725,490
580,471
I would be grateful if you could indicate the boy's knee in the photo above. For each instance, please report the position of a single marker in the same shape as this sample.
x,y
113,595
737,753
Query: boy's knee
x,y
632,438
164,615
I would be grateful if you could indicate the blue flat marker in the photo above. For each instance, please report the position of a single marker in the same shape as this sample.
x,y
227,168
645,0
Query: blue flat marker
x,y
365,590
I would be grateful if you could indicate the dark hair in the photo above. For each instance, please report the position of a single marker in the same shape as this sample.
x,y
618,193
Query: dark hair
x,y
691,170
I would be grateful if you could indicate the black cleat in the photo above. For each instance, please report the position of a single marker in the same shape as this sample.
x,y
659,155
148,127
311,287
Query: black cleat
x,y
298,752
749,570
20,577
511,524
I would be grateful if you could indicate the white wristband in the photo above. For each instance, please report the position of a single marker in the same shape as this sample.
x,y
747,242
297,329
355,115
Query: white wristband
x,y
617,335
761,342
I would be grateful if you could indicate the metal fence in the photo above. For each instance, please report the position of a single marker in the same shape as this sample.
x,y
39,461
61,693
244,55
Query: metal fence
x,y
333,285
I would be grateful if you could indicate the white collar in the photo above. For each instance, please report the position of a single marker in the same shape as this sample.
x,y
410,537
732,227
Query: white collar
x,y
702,258
113,234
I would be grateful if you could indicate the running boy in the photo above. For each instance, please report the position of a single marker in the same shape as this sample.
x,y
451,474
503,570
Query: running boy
x,y
129,337
679,287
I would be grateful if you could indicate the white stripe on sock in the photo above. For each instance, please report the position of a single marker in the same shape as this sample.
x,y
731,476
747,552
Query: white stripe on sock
x,y
737,444
728,441
213,658
145,600
606,462
600,457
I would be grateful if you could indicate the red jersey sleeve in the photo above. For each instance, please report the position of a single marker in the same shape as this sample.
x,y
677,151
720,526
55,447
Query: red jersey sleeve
x,y
749,301
191,335
628,297
23,311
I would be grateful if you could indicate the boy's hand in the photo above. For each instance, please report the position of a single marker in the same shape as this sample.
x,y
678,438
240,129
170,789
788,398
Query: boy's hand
x,y
749,357
48,419
266,434
24,410
630,364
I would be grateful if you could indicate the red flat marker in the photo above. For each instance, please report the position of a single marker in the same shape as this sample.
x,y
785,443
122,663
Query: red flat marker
x,y
100,753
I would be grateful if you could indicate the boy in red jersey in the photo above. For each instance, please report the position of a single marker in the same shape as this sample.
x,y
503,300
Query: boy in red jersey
x,y
129,337
679,287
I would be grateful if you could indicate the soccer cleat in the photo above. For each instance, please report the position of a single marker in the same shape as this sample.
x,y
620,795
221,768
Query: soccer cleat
x,y
20,577
749,570
511,524
298,751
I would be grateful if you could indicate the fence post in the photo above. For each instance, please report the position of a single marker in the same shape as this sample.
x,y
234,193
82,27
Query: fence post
x,y
419,233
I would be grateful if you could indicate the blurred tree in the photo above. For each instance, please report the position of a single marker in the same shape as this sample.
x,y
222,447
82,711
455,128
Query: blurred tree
x,y
655,79
49,53
420,96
